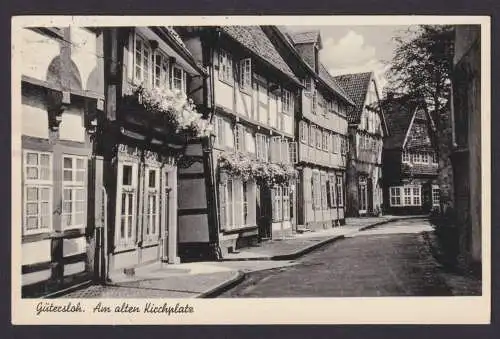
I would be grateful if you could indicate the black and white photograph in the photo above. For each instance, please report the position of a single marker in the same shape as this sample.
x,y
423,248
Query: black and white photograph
x,y
277,159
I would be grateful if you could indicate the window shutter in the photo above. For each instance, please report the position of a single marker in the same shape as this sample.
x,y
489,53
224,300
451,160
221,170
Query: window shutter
x,y
285,153
293,152
273,202
239,137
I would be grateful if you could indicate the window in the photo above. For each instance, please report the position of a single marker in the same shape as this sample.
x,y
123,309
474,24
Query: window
x,y
160,72
126,203
225,67
293,152
152,204
435,196
434,158
334,143
74,193
246,73
326,137
37,206
276,149
178,79
262,150
318,138
239,138
395,196
303,132
245,202
142,62
219,131
316,190
277,198
324,196
340,191
416,196
308,85
408,195
314,101
312,135
285,152
286,203
406,157
331,185
286,101
427,158
343,146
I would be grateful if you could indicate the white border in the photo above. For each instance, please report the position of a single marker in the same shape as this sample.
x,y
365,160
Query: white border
x,y
421,310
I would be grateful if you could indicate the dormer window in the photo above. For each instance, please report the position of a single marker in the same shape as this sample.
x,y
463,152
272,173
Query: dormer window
x,y
308,85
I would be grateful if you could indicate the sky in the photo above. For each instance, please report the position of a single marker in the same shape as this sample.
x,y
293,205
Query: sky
x,y
354,49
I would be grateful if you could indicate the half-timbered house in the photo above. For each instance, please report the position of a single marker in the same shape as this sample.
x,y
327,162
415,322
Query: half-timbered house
x,y
410,158
150,125
322,134
253,98
367,129
62,94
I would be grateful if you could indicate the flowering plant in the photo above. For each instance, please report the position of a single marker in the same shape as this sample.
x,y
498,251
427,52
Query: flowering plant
x,y
245,167
178,111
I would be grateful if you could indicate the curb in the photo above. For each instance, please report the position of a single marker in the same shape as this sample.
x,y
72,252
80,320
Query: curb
x,y
308,249
223,287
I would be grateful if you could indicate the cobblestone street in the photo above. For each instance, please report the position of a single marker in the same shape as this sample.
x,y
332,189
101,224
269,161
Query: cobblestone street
x,y
391,260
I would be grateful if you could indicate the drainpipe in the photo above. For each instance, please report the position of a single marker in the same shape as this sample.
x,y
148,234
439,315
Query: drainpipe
x,y
105,234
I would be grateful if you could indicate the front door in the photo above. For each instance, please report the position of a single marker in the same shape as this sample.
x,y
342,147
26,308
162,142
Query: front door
x,y
263,207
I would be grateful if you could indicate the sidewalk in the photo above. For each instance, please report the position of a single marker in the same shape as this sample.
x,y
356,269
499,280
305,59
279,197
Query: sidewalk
x,y
300,244
204,279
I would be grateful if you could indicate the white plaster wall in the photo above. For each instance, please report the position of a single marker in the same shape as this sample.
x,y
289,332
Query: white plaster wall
x,y
72,126
35,120
31,278
36,252
37,52
74,246
84,52
70,269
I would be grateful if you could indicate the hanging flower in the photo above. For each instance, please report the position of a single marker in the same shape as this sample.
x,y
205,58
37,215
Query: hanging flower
x,y
177,110
245,167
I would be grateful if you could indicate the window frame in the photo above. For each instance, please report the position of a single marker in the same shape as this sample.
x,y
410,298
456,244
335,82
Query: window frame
x,y
151,237
133,188
226,64
38,184
340,190
436,201
394,198
246,74
73,186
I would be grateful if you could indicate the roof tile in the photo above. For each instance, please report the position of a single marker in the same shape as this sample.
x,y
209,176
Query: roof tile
x,y
356,86
254,38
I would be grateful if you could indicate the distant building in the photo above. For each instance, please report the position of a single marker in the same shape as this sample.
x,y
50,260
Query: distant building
x,y
410,158
466,155
367,129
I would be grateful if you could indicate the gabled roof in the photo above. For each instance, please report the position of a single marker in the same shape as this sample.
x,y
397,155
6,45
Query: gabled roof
x,y
254,39
333,84
356,85
306,37
399,113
